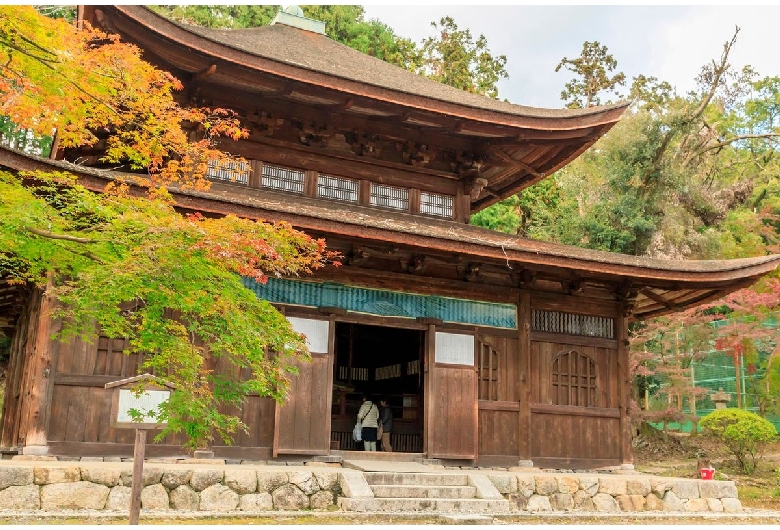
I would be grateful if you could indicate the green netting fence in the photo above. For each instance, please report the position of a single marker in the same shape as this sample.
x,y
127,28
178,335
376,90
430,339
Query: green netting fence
x,y
717,370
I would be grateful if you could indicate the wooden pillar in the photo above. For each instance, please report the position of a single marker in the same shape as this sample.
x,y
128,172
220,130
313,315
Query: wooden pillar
x,y
428,360
256,175
414,200
524,349
331,370
139,451
624,389
461,207
38,383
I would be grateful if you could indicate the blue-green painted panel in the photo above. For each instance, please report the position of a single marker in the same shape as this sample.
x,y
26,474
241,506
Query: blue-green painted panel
x,y
385,303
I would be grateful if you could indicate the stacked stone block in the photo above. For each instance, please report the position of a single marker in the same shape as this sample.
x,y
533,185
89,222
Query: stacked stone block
x,y
242,488
615,494
230,489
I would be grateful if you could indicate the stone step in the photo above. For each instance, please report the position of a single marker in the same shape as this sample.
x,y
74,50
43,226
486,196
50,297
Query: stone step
x,y
416,479
378,455
441,506
424,492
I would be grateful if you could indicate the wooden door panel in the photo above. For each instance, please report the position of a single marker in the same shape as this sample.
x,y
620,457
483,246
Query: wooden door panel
x,y
452,413
301,426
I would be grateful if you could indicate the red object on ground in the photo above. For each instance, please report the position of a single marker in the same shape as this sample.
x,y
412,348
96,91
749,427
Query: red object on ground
x,y
706,474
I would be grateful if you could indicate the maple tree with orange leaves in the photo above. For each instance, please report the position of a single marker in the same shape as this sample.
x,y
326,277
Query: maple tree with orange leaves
x,y
88,88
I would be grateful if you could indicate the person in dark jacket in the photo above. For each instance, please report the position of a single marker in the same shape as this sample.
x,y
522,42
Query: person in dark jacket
x,y
386,421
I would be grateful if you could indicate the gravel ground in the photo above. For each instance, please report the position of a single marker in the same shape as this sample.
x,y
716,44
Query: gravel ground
x,y
749,517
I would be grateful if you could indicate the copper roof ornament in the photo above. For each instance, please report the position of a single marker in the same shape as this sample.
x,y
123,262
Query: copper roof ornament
x,y
293,16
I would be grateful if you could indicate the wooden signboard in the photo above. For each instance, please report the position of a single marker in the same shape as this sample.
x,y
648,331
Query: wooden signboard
x,y
126,399
131,410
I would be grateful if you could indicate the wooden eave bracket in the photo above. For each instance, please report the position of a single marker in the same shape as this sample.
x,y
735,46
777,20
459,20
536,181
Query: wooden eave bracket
x,y
660,299
524,278
470,272
357,256
573,286
476,187
206,72
414,264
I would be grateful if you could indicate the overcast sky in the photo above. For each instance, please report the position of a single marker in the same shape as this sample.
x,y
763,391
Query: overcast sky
x,y
669,42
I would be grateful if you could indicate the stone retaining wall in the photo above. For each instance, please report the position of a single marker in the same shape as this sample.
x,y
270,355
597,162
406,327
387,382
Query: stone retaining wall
x,y
214,490
547,493
245,488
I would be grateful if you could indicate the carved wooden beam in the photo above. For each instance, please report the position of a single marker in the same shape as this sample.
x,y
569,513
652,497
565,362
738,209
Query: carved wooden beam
x,y
264,123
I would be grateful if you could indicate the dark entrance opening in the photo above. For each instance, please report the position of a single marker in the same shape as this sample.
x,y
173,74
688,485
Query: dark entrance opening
x,y
386,363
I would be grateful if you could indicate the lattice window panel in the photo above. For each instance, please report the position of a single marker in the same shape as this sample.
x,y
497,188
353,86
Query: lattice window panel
x,y
572,324
488,372
337,188
392,371
357,374
389,197
282,178
413,367
436,204
236,172
574,380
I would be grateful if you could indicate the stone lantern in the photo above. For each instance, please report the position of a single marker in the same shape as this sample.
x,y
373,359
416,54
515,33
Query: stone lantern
x,y
721,399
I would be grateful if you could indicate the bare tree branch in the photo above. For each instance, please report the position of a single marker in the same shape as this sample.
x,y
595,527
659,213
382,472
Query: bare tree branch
x,y
718,71
737,138
64,237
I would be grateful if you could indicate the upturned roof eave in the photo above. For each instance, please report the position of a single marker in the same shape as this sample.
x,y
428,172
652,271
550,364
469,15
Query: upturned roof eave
x,y
407,229
524,117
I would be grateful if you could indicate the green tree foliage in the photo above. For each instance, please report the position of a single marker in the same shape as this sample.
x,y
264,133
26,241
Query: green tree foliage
x,y
347,25
219,16
343,23
745,434
58,11
24,140
593,70
691,176
515,214
134,267
454,58
170,284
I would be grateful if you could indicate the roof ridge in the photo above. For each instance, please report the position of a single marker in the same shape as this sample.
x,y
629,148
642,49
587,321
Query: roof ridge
x,y
466,99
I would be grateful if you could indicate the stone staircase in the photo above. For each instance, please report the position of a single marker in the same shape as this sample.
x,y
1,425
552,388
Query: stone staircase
x,y
442,493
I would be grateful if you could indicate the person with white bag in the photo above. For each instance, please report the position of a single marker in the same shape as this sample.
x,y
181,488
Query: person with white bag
x,y
367,417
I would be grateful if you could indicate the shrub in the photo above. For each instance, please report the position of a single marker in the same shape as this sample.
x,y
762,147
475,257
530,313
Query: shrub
x,y
745,434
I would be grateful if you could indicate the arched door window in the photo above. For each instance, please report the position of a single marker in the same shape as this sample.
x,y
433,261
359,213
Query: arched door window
x,y
574,379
